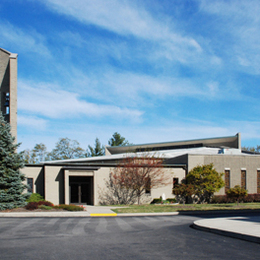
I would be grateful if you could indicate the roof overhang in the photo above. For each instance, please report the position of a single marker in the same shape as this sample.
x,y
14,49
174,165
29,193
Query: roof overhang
x,y
228,141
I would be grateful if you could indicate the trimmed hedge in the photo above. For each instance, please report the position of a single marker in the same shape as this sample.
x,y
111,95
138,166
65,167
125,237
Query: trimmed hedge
x,y
218,199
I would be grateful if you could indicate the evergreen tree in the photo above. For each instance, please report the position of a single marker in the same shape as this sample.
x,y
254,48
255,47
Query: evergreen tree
x,y
117,140
11,186
97,150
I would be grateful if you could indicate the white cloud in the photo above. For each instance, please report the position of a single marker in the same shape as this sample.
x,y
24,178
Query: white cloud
x,y
140,90
51,101
213,87
133,85
32,122
238,21
23,40
129,19
136,90
191,130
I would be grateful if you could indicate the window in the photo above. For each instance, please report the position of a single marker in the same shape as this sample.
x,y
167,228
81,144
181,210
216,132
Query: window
x,y
175,182
243,179
227,180
148,186
30,185
258,181
7,103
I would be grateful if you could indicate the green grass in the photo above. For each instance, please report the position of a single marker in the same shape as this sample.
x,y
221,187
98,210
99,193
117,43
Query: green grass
x,y
151,208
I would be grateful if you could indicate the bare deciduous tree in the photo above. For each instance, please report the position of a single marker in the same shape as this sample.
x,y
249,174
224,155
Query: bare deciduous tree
x,y
135,176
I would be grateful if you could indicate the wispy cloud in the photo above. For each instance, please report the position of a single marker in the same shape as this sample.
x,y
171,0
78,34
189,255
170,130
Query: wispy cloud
x,y
127,19
22,40
196,129
51,101
32,122
137,89
239,22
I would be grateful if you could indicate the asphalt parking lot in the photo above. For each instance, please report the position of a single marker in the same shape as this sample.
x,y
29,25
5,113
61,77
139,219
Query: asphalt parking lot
x,y
161,237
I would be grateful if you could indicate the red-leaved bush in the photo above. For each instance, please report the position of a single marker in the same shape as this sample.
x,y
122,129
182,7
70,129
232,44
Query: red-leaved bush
x,y
35,205
32,205
224,199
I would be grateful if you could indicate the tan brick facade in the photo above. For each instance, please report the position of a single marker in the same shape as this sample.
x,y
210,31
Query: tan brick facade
x,y
8,88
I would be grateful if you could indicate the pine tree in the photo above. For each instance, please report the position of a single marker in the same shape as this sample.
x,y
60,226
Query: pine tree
x,y
11,186
117,140
97,150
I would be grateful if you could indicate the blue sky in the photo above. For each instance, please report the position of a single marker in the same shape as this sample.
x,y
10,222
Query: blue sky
x,y
152,70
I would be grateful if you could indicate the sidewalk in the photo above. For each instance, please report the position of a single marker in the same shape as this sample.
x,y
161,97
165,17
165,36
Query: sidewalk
x,y
246,227
90,211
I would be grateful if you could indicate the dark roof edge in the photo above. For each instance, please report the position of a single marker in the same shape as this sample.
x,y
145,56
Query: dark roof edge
x,y
94,165
80,168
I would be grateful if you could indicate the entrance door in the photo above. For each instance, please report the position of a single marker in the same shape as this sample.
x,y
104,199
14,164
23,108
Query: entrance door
x,y
84,195
81,190
74,193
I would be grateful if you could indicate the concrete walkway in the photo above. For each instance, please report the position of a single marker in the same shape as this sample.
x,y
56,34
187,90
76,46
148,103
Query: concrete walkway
x,y
246,227
89,211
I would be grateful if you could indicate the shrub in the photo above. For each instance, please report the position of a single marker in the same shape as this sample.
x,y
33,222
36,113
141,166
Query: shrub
x,y
45,207
156,201
249,198
252,198
171,200
205,181
237,193
40,204
183,192
45,203
35,197
160,201
217,199
32,206
70,207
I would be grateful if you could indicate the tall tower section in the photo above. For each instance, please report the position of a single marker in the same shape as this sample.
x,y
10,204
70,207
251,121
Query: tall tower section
x,y
8,88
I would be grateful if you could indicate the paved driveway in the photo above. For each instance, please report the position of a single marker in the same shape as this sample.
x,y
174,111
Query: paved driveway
x,y
168,237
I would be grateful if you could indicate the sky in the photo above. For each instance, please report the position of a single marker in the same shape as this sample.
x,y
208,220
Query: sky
x,y
152,70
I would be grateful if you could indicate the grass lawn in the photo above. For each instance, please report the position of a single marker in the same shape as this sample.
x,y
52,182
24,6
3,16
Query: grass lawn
x,y
152,208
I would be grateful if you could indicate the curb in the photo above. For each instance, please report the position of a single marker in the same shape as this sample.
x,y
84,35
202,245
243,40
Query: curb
x,y
103,214
254,239
148,214
219,212
44,215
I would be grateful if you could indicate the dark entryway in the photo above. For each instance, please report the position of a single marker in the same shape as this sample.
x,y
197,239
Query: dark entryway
x,y
81,190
